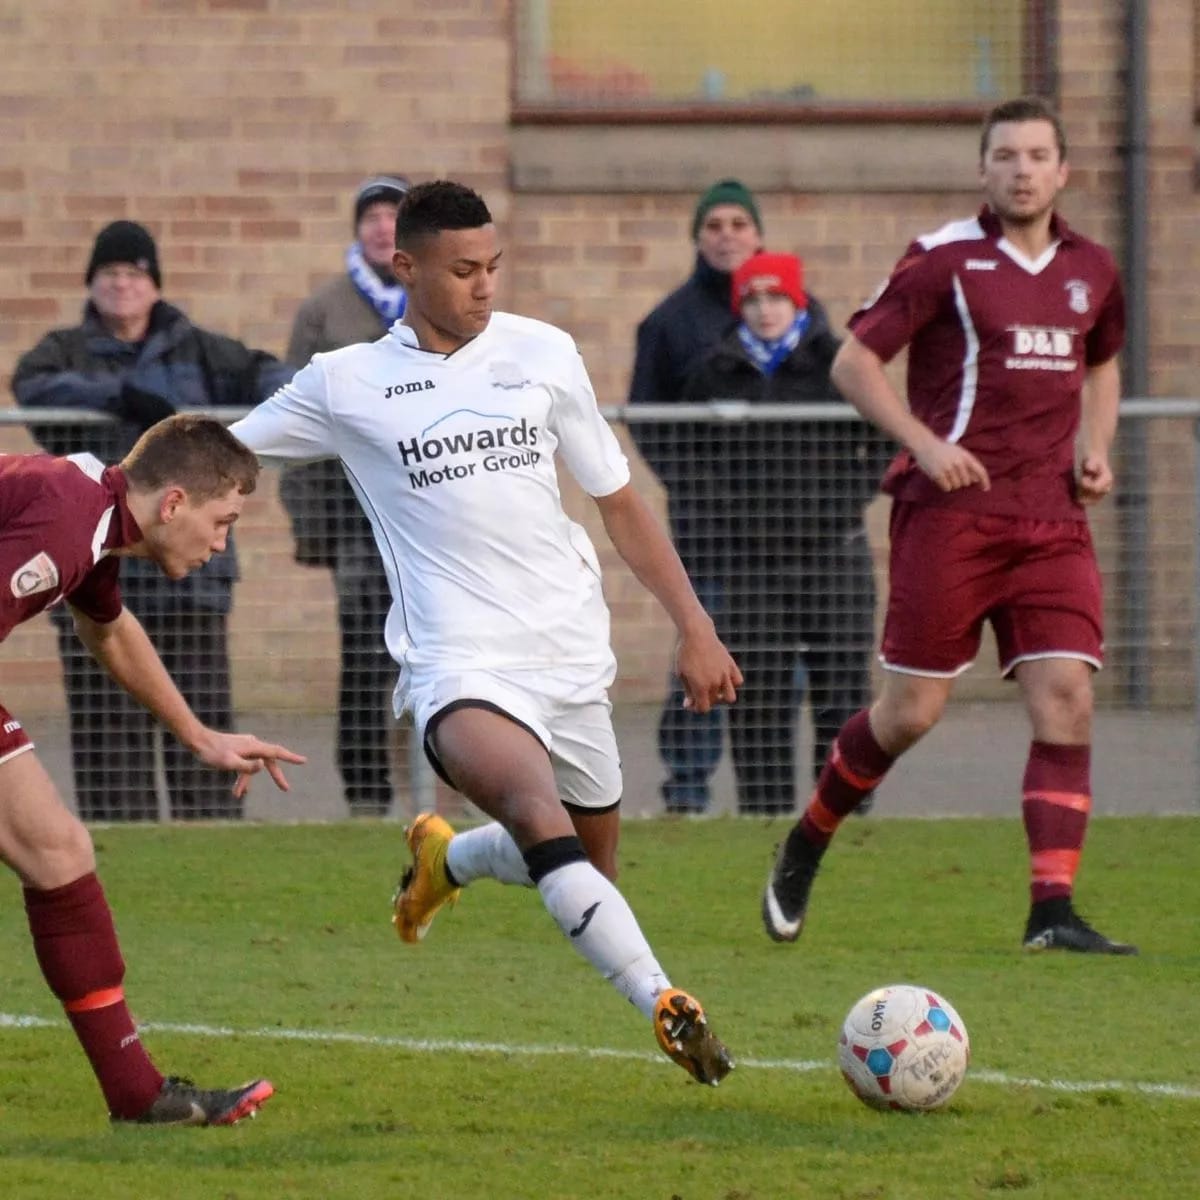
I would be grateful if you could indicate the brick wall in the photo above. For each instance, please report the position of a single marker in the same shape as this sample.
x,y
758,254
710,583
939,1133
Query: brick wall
x,y
237,129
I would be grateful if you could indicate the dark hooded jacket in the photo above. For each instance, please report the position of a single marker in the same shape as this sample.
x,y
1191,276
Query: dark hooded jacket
x,y
751,490
670,342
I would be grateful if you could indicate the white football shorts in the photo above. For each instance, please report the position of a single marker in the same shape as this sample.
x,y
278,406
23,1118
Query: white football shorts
x,y
566,708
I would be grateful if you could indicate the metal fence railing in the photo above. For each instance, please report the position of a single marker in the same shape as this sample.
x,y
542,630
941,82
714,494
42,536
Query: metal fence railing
x,y
767,504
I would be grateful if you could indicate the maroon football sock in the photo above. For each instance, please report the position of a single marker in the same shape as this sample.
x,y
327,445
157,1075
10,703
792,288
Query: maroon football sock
x,y
1056,801
76,947
855,766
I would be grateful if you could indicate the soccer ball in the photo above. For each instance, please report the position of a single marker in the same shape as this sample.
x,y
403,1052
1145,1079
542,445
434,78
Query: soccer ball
x,y
903,1047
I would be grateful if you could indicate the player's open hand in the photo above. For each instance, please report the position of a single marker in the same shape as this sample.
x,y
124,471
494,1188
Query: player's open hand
x,y
707,671
247,755
950,466
1093,478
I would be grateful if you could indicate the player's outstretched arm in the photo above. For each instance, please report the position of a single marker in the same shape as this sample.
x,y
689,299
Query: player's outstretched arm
x,y
128,655
706,669
858,373
245,754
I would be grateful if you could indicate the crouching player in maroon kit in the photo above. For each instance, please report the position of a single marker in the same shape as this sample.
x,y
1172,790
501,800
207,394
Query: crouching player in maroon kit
x,y
1013,322
64,525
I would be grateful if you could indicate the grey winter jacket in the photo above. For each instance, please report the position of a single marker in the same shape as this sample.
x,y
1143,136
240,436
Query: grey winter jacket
x,y
177,366
323,509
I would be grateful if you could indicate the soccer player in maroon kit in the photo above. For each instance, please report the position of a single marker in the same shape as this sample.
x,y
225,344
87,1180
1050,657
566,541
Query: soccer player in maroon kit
x,y
1013,322
65,523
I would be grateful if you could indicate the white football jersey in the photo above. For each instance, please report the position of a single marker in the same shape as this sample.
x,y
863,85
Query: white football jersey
x,y
452,459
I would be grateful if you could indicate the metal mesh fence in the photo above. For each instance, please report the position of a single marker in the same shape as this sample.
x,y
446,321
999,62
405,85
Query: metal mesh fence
x,y
774,512
633,54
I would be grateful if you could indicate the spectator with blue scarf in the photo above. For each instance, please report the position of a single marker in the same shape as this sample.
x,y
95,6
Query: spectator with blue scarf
x,y
359,305
779,507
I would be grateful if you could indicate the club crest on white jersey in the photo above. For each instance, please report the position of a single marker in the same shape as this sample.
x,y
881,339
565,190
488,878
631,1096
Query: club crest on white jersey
x,y
508,375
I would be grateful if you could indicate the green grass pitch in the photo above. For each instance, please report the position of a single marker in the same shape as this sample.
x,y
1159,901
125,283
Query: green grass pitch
x,y
491,1062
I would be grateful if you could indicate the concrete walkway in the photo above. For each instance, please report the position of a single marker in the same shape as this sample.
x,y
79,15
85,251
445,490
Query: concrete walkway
x,y
970,765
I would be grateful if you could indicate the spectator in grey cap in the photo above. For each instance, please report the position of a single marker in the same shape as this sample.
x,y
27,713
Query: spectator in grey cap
x,y
359,305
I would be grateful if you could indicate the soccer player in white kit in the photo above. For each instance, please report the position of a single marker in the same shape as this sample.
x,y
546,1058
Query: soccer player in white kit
x,y
447,428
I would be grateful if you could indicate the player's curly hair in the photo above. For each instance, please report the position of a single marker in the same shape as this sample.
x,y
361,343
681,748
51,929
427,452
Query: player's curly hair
x,y
1024,108
440,204
195,453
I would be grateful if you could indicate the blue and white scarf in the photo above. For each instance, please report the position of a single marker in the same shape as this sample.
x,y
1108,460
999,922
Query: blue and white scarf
x,y
387,299
766,354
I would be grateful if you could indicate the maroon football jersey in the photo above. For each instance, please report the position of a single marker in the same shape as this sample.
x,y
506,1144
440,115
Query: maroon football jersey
x,y
999,345
60,518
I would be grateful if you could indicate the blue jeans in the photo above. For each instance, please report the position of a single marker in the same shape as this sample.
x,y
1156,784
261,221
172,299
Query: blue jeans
x,y
690,743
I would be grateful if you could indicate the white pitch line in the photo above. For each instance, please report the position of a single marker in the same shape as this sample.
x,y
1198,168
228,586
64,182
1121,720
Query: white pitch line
x,y
1176,1091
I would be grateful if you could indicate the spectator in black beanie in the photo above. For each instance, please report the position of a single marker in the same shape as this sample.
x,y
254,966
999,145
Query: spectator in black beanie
x,y
125,242
140,359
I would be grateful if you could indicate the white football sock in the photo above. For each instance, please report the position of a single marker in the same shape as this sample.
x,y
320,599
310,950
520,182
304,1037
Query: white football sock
x,y
487,852
601,926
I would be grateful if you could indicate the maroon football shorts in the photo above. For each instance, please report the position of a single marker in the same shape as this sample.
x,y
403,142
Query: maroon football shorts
x,y
1037,582
13,739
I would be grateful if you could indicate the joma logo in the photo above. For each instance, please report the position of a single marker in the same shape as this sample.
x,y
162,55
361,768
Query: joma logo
x,y
407,389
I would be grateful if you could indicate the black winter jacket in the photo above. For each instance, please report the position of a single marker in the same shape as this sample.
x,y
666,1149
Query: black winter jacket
x,y
670,342
779,489
177,366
